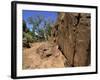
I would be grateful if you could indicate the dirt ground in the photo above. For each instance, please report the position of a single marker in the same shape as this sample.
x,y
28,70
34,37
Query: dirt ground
x,y
42,55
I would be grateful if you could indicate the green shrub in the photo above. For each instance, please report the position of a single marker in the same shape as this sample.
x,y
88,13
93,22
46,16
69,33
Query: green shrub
x,y
28,37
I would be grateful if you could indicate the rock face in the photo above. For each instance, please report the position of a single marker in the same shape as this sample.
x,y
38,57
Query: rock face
x,y
72,35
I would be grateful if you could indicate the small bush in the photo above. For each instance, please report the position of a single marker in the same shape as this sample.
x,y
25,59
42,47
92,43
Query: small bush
x,y
27,39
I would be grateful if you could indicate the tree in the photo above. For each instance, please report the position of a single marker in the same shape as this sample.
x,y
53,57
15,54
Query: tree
x,y
48,24
35,21
41,27
27,36
24,26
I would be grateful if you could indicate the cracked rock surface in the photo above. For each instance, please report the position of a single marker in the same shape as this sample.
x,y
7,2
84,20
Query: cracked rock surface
x,y
72,35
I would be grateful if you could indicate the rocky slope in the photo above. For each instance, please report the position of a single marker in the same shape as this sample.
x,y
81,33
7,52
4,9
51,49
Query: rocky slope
x,y
42,55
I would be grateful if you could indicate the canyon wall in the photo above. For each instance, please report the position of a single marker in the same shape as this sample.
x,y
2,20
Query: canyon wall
x,y
72,34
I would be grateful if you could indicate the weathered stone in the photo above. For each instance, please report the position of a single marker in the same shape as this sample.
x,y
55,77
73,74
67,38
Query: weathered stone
x,y
72,34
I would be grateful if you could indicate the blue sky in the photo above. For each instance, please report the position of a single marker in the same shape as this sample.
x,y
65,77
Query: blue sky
x,y
47,15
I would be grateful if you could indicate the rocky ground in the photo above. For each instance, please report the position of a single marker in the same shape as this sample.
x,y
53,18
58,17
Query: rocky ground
x,y
43,55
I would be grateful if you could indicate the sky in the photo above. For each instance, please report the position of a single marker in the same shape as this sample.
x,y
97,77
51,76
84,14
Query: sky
x,y
47,15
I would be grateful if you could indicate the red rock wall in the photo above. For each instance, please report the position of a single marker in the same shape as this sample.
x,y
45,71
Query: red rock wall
x,y
72,34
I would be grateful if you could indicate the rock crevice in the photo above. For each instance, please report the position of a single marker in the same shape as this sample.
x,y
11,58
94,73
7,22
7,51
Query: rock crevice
x,y
72,35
